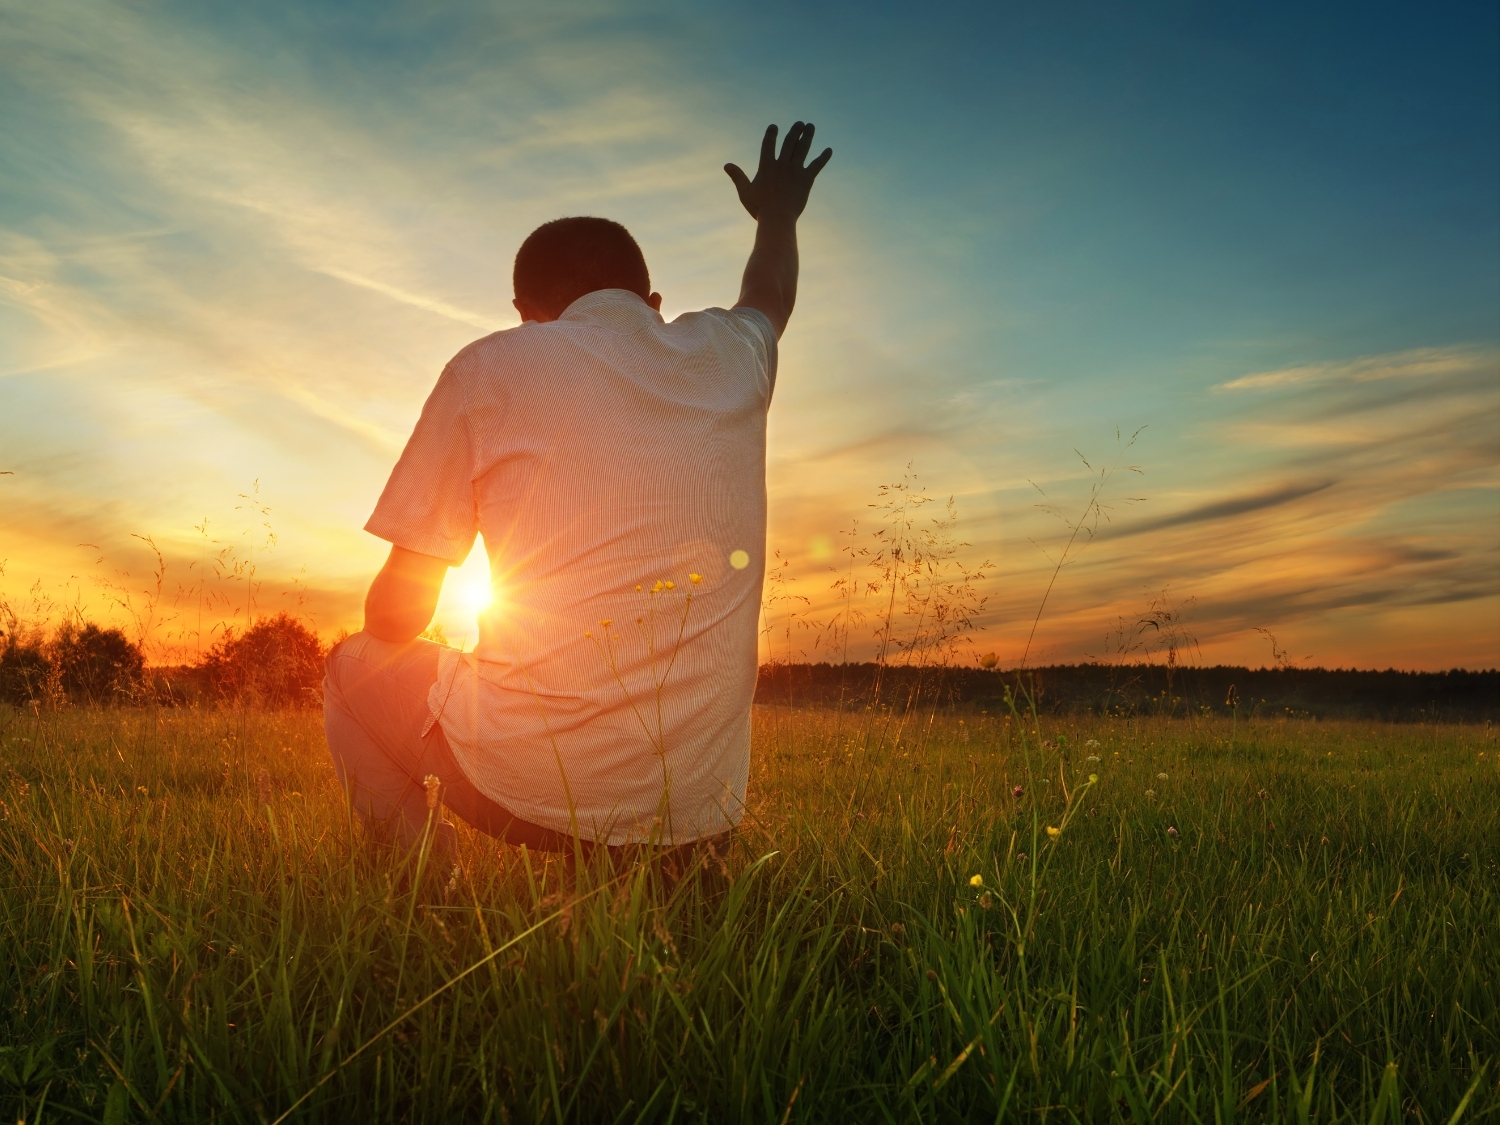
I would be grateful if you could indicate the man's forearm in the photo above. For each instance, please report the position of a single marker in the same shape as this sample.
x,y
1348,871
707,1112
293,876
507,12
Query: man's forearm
x,y
770,281
404,595
394,618
774,199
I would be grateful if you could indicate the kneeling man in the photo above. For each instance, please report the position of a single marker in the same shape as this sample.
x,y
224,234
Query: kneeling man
x,y
615,465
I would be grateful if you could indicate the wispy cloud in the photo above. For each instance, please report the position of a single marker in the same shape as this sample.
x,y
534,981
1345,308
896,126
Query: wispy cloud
x,y
1416,363
415,300
1229,507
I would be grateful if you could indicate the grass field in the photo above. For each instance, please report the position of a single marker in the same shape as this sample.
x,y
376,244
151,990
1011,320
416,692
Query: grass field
x,y
193,932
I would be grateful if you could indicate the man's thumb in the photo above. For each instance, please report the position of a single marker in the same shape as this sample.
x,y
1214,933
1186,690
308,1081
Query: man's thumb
x,y
737,174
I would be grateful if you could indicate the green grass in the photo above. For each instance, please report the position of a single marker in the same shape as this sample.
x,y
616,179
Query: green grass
x,y
193,932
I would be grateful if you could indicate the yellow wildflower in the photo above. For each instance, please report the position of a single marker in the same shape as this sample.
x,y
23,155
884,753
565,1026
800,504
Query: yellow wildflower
x,y
1054,832
976,880
606,623
670,585
1093,777
656,588
695,578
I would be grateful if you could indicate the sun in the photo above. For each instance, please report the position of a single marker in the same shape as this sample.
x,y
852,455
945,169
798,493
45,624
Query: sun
x,y
471,584
467,594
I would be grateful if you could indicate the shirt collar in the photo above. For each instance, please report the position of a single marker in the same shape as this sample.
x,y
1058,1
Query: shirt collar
x,y
614,308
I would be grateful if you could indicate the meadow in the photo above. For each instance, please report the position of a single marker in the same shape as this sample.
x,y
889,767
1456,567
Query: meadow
x,y
941,918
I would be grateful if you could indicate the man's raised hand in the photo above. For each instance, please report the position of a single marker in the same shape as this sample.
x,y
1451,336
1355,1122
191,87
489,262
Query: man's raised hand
x,y
781,183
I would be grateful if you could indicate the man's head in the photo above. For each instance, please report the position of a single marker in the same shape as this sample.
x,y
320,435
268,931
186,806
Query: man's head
x,y
562,260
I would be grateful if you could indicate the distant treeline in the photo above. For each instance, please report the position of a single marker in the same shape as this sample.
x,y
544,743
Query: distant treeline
x,y
277,662
1151,689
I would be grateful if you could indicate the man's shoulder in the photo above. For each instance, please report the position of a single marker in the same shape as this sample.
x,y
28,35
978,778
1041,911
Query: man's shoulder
x,y
736,317
488,352
742,323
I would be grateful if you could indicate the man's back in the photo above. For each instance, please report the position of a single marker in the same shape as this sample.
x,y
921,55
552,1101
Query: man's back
x,y
609,459
616,466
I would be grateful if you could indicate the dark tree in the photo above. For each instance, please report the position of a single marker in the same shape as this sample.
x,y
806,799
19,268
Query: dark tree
x,y
277,662
25,669
97,665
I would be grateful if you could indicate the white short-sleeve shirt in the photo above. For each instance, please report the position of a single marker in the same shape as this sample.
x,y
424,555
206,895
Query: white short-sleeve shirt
x,y
602,456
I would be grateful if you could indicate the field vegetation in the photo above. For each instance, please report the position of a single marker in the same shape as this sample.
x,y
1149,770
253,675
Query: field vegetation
x,y
957,894
933,915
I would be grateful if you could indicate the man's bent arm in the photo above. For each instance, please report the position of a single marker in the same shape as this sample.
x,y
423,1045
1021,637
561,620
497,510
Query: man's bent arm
x,y
404,595
775,198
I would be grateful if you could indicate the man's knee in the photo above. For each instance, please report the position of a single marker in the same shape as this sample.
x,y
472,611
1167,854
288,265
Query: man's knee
x,y
352,649
332,685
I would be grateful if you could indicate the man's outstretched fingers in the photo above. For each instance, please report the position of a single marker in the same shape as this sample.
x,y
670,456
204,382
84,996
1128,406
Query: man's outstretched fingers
x,y
817,165
804,143
789,146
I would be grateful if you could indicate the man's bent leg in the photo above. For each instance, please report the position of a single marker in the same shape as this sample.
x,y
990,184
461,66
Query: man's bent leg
x,y
374,709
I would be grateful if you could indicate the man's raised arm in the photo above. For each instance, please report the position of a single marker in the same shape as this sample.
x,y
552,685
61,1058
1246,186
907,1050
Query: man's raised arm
x,y
774,199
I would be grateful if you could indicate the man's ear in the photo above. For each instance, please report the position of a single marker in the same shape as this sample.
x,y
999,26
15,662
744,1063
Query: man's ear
x,y
654,301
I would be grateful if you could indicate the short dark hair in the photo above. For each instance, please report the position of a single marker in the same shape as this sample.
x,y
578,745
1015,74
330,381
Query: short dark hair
x,y
562,260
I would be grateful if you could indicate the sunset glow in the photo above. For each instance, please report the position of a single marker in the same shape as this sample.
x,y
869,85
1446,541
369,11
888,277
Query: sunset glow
x,y
226,267
467,594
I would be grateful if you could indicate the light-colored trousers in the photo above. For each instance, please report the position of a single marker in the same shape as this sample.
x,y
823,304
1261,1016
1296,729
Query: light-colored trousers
x,y
374,709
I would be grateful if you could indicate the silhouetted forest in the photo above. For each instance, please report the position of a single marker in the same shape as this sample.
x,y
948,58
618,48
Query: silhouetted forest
x,y
1456,696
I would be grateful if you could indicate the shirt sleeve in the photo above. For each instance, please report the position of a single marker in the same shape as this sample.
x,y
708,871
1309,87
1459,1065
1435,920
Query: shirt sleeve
x,y
756,329
428,505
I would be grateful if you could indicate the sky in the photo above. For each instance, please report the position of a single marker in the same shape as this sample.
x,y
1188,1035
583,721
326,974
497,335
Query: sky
x,y
239,242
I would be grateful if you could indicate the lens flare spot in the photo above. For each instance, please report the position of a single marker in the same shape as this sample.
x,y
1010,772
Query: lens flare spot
x,y
739,559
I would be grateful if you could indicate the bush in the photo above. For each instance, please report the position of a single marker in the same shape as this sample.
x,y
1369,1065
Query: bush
x,y
97,665
277,662
80,664
26,670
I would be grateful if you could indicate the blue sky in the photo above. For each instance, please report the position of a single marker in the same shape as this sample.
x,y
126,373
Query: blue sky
x,y
238,243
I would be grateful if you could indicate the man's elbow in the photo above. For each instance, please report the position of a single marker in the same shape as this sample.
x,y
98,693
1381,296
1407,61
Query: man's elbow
x,y
397,624
396,631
